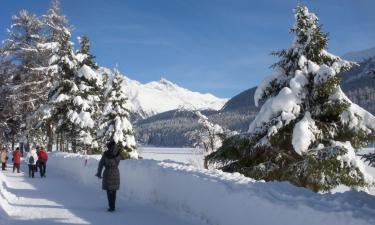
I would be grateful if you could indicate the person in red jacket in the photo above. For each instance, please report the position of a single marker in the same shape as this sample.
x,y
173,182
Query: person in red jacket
x,y
42,161
16,160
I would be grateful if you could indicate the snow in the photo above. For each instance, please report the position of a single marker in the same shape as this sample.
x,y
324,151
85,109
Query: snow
x,y
80,57
298,83
285,105
114,123
278,75
53,46
323,74
61,98
192,156
208,136
304,134
67,61
60,199
82,119
86,72
123,125
161,96
179,190
351,159
79,101
355,117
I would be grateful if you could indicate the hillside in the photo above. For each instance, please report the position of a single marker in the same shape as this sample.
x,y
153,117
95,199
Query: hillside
x,y
359,56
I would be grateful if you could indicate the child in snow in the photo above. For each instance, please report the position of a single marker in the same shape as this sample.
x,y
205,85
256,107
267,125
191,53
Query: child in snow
x,y
111,176
32,158
4,158
16,160
42,161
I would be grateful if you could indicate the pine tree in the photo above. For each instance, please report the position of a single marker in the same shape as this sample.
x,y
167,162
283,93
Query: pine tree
x,y
86,106
307,130
60,66
23,50
114,124
62,70
370,157
84,55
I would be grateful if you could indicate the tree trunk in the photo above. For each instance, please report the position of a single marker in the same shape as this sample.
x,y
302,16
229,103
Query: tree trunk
x,y
62,147
57,141
49,136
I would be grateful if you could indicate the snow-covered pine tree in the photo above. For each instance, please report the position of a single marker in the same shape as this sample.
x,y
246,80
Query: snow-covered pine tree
x,y
86,109
370,157
84,55
114,123
23,50
307,130
62,68
58,49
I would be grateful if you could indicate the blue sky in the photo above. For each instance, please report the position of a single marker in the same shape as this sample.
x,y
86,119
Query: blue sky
x,y
217,46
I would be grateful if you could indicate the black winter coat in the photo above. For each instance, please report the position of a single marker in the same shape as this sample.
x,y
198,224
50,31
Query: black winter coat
x,y
111,176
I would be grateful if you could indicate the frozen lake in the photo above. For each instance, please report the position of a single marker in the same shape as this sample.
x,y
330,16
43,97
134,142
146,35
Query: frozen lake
x,y
185,155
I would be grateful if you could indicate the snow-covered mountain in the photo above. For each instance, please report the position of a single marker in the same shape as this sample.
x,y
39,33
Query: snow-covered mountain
x,y
359,56
160,96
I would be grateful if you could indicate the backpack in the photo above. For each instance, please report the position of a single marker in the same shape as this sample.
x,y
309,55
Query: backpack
x,y
31,160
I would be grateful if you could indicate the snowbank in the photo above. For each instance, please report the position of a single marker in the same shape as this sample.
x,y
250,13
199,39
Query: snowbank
x,y
221,198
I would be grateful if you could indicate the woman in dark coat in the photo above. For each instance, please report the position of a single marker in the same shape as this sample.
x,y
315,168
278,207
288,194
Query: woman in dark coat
x,y
111,176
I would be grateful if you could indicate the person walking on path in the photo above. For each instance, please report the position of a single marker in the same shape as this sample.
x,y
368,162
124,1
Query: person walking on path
x,y
16,160
111,176
31,159
42,161
3,158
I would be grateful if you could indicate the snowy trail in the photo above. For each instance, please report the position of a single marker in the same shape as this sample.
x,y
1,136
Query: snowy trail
x,y
57,200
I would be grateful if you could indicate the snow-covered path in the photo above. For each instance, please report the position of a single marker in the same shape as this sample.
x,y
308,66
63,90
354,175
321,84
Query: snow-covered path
x,y
61,200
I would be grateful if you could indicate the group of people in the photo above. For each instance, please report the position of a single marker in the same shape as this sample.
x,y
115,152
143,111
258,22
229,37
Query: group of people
x,y
35,159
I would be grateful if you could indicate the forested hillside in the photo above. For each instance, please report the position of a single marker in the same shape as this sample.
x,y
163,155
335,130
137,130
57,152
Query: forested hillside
x,y
171,128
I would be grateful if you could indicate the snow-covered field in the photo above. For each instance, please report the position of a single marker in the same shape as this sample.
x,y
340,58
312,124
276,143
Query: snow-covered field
x,y
167,192
191,156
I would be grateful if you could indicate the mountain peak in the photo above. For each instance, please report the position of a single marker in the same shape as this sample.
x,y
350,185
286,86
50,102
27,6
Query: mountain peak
x,y
163,95
166,82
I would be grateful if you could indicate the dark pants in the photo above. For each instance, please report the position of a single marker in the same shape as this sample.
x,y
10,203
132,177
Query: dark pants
x,y
42,168
36,166
16,166
111,195
3,166
31,170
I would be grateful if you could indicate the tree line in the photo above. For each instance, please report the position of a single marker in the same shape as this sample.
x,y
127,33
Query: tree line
x,y
55,95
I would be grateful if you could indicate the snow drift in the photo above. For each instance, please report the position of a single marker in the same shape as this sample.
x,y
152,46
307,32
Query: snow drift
x,y
222,198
